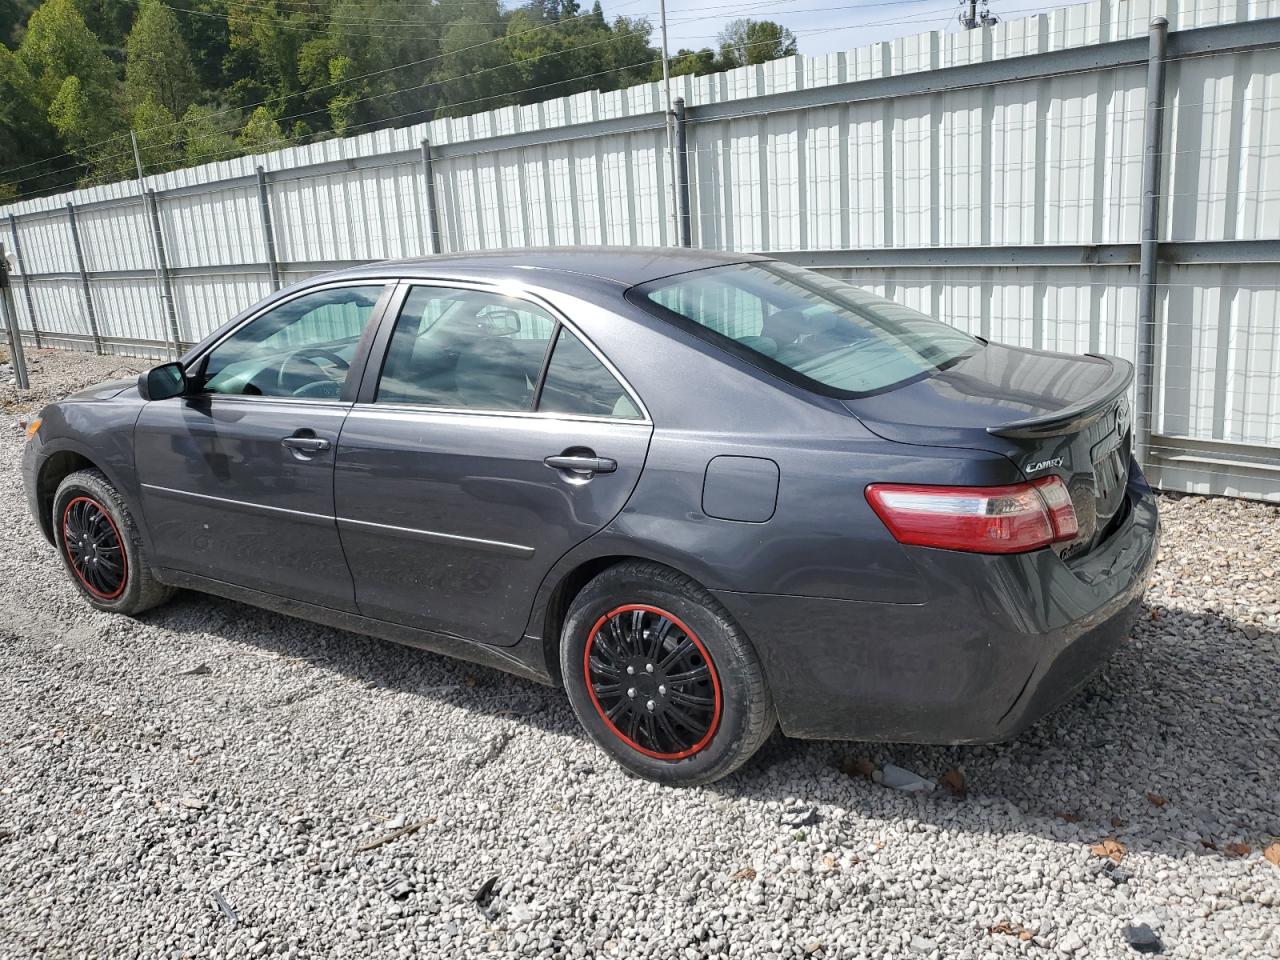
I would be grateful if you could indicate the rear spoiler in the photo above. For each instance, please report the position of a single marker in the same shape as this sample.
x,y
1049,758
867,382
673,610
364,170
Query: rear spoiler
x,y
1080,414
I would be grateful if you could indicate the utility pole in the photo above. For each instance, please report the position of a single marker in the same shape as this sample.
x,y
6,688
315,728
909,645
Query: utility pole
x,y
166,305
972,19
670,124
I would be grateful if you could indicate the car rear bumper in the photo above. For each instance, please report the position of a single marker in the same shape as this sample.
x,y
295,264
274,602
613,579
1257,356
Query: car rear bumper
x,y
1000,642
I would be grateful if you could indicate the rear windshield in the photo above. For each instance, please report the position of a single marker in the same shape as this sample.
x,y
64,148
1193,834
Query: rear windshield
x,y
808,328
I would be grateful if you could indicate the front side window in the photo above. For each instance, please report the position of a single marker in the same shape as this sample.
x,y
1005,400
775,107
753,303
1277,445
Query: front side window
x,y
302,348
823,333
468,349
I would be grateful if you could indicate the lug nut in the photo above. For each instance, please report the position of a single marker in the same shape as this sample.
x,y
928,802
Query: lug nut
x,y
630,670
631,692
648,667
662,689
650,705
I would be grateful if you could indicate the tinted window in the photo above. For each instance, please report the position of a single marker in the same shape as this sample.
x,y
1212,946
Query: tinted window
x,y
467,349
302,348
796,321
577,382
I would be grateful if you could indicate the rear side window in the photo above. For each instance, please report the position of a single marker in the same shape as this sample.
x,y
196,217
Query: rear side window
x,y
578,383
808,328
468,349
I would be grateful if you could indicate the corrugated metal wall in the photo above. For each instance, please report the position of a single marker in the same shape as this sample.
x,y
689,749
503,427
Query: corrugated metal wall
x,y
1053,161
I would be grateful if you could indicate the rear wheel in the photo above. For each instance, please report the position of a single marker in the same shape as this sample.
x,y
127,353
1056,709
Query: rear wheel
x,y
100,546
662,678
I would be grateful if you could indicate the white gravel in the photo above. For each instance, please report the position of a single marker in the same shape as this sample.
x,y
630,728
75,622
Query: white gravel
x,y
209,781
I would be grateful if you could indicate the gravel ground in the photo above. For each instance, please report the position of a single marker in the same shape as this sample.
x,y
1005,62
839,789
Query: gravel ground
x,y
216,781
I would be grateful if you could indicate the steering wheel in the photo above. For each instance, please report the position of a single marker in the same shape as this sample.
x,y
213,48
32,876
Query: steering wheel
x,y
288,377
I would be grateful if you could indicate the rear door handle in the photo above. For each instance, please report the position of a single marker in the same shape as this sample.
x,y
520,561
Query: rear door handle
x,y
305,444
582,464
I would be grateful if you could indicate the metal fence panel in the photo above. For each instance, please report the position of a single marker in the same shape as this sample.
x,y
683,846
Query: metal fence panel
x,y
990,177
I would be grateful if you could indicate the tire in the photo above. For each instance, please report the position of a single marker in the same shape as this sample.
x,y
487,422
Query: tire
x,y
112,572
679,724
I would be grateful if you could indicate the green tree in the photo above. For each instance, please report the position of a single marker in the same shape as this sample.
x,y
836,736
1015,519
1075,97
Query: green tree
x,y
158,65
474,73
694,62
745,41
159,136
13,17
26,136
207,135
75,84
108,19
261,133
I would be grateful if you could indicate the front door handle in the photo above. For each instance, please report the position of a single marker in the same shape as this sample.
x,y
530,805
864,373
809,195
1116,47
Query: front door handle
x,y
305,444
582,464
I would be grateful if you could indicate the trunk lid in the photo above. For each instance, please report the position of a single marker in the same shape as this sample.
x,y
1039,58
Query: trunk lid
x,y
1047,412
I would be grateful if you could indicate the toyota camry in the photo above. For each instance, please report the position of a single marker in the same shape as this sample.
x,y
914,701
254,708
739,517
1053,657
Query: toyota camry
x,y
706,494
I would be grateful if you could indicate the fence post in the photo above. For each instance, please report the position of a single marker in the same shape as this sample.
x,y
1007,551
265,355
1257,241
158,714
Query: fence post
x,y
1149,247
264,205
166,280
433,212
84,278
682,174
26,284
16,355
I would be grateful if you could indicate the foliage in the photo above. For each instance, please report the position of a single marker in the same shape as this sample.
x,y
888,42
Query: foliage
x,y
744,42
158,65
205,80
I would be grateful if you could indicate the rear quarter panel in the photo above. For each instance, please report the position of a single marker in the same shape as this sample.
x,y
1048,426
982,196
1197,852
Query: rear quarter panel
x,y
822,540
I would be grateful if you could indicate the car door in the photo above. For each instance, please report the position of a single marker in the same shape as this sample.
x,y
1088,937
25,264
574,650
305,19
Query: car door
x,y
492,441
237,477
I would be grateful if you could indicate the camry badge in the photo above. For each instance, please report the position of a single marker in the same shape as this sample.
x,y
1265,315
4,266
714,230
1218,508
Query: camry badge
x,y
1042,465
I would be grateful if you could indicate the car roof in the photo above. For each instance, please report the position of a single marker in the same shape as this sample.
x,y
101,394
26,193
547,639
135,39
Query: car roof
x,y
623,265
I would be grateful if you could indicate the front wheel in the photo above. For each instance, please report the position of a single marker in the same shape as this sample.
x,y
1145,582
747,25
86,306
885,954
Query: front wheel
x,y
662,678
100,546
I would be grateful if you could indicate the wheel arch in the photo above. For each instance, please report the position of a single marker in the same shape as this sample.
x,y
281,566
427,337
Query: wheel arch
x,y
54,468
563,585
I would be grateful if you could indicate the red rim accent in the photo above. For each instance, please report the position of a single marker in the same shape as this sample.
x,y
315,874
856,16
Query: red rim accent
x,y
66,549
715,681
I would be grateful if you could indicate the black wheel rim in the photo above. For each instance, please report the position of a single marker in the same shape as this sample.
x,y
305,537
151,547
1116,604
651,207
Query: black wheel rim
x,y
652,682
94,549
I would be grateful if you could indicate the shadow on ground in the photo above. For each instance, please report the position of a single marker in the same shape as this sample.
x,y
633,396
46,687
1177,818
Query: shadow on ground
x,y
1184,713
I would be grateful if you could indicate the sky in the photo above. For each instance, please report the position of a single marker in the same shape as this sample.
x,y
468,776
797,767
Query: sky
x,y
820,26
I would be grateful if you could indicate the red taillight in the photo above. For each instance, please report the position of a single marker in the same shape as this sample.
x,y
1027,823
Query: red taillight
x,y
1012,519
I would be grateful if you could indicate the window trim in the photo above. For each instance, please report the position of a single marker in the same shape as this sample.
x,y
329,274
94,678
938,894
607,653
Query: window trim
x,y
200,354
381,348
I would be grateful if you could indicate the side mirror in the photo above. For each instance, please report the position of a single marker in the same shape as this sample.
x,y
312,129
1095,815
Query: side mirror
x,y
162,382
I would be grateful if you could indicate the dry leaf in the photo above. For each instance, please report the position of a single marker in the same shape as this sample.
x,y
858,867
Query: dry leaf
x,y
1272,852
858,767
953,782
746,873
1109,847
1010,930
1069,817
1156,800
1117,822
1208,843
1238,849
829,862
1155,613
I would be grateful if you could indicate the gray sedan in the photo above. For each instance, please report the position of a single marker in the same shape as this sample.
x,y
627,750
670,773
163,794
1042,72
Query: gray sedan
x,y
707,494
